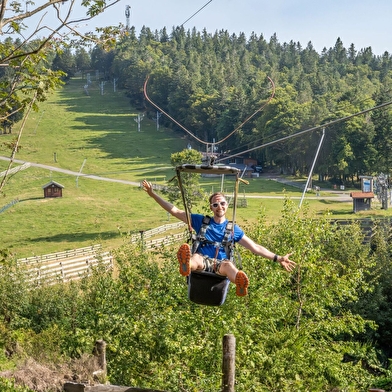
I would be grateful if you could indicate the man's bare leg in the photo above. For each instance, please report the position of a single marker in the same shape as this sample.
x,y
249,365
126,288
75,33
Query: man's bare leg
x,y
239,278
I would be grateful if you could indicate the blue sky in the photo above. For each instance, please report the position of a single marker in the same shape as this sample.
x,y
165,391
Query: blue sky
x,y
363,23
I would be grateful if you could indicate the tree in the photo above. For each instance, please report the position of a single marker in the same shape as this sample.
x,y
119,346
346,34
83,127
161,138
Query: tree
x,y
101,60
65,62
82,59
26,75
190,181
382,120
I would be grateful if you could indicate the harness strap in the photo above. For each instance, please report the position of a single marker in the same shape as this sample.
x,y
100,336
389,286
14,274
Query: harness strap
x,y
200,236
187,212
200,239
228,245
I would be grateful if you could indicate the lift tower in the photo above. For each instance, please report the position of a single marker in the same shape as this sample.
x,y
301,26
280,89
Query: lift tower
x,y
127,16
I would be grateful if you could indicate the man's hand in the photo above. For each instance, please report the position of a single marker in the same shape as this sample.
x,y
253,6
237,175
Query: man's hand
x,y
147,186
286,263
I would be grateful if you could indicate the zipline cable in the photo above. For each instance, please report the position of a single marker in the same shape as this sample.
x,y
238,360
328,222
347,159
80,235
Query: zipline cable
x,y
194,136
308,130
205,5
168,115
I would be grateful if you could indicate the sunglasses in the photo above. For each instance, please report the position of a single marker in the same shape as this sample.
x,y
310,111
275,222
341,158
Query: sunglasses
x,y
222,203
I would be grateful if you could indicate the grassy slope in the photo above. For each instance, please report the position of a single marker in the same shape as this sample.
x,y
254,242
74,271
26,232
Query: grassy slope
x,y
71,128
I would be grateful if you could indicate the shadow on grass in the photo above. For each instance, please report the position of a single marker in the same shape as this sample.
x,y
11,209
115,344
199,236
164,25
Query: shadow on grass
x,y
31,198
332,201
342,212
78,237
109,122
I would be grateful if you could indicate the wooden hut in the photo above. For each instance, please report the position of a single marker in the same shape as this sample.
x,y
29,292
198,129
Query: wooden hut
x,y
53,189
362,201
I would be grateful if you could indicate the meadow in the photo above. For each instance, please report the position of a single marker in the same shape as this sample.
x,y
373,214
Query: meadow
x,y
97,134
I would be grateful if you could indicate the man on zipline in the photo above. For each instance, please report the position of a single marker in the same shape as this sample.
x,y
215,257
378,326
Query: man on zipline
x,y
212,257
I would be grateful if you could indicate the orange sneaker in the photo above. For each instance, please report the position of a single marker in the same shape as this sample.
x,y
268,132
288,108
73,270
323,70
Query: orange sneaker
x,y
242,283
184,258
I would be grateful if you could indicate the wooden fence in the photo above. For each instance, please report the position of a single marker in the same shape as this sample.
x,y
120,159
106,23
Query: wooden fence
x,y
158,230
65,266
72,264
158,242
369,227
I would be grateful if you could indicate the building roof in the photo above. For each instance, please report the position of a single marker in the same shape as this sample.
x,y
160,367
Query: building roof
x,y
361,195
52,183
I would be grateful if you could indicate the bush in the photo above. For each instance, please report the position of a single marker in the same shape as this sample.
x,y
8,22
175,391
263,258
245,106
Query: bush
x,y
7,385
295,331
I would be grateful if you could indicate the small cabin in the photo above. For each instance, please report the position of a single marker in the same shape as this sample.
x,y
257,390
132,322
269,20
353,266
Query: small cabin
x,y
362,201
53,189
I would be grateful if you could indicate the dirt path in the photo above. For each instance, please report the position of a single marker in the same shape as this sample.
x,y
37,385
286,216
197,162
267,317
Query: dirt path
x,y
72,173
333,195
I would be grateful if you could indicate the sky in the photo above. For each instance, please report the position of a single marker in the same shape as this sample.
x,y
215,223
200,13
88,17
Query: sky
x,y
363,23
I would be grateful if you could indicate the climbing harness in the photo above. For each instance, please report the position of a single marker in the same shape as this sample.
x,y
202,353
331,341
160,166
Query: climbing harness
x,y
199,240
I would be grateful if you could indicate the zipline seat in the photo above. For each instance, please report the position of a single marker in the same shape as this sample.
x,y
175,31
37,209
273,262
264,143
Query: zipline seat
x,y
208,288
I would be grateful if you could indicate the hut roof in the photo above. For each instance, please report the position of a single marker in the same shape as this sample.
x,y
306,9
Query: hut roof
x,y
52,183
361,195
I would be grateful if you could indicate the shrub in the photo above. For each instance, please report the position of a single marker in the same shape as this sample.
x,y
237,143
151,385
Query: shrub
x,y
295,331
7,385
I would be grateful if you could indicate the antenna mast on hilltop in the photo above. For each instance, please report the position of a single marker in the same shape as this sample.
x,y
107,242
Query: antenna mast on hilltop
x,y
127,16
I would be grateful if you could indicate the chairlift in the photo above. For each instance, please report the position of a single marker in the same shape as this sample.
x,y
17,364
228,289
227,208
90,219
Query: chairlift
x,y
208,288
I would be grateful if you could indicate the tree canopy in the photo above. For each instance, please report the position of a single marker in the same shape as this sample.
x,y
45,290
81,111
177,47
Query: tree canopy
x,y
211,83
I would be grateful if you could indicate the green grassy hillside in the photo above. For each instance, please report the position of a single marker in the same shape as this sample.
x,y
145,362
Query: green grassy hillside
x,y
99,131
98,134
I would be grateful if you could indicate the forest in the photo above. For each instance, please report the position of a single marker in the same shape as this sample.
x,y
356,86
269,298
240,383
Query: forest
x,y
212,83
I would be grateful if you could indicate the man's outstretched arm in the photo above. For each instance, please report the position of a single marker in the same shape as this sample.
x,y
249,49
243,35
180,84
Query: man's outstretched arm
x,y
259,250
166,205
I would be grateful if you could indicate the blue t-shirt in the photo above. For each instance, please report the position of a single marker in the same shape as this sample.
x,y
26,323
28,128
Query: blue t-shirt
x,y
215,233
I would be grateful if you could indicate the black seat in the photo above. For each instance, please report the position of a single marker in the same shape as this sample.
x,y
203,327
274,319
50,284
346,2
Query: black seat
x,y
207,288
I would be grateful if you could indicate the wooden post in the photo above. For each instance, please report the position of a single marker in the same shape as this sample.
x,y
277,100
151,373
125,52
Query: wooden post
x,y
228,363
100,353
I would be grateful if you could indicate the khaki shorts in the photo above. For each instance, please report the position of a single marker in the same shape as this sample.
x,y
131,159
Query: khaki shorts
x,y
212,265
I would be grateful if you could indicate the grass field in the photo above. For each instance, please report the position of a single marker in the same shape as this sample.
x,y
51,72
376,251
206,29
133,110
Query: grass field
x,y
98,132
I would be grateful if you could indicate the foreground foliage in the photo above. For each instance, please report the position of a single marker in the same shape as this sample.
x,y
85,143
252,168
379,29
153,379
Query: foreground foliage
x,y
302,331
29,65
9,386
